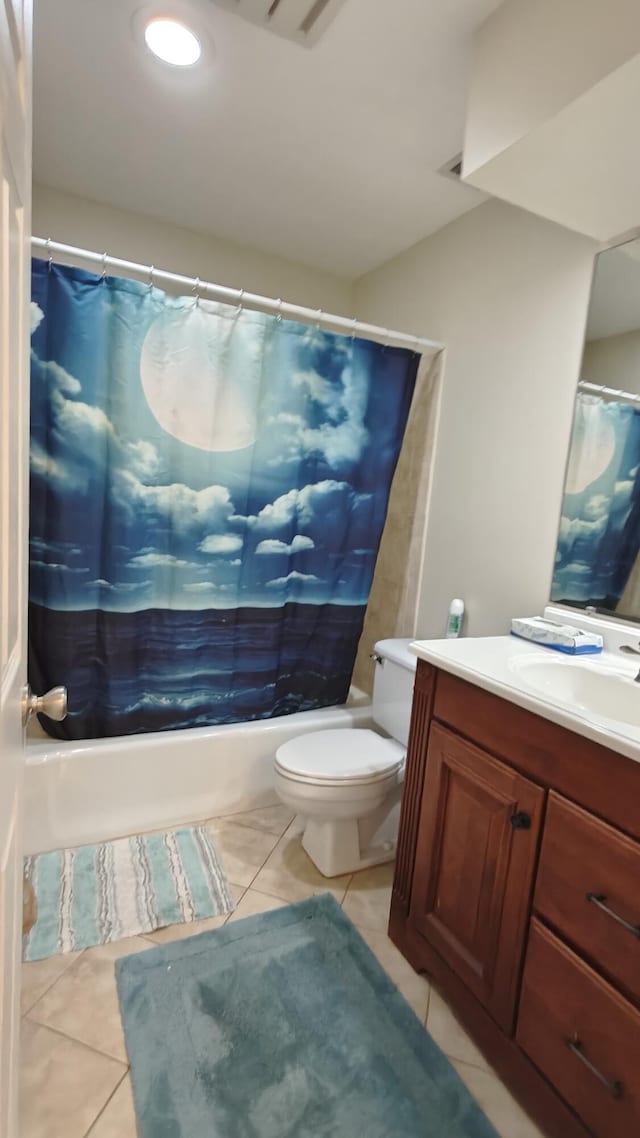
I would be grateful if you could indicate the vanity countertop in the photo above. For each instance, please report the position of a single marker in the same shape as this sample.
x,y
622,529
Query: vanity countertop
x,y
498,664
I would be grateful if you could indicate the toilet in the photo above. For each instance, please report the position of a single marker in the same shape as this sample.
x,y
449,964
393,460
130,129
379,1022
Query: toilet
x,y
347,783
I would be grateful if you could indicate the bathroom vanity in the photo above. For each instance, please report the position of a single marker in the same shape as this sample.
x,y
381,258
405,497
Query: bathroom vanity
x,y
517,882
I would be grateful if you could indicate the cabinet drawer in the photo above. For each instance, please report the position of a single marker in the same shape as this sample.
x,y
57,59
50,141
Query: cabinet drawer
x,y
588,887
599,779
582,1034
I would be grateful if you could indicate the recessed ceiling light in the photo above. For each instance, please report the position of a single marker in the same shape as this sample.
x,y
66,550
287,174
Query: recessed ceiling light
x,y
172,42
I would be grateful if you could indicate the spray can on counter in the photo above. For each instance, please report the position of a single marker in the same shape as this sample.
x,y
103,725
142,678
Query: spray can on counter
x,y
454,622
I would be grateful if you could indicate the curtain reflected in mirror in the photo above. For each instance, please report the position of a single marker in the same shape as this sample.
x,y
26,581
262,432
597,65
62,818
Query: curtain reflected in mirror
x,y
600,522
597,561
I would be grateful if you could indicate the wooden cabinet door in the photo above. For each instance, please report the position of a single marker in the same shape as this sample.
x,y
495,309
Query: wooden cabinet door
x,y
413,779
475,861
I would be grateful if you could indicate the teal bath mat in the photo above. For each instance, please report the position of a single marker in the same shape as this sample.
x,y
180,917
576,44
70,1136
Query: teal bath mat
x,y
283,1025
97,894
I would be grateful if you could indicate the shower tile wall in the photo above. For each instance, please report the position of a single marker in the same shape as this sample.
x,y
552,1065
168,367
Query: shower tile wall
x,y
394,594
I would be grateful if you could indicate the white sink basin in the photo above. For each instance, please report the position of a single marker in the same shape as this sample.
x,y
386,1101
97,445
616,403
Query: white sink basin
x,y
591,690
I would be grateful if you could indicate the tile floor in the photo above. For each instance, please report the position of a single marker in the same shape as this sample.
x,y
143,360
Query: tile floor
x,y
75,1081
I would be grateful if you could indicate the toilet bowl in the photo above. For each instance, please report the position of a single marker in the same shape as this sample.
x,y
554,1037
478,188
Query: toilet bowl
x,y
347,784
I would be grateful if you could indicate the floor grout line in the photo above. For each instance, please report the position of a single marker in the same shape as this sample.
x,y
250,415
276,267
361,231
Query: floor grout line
x,y
79,1042
468,1063
271,852
250,885
104,1107
287,900
244,813
254,829
262,865
426,1014
74,960
349,884
235,903
263,893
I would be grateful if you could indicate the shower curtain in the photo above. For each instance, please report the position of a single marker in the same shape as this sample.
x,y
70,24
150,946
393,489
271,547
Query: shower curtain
x,y
208,491
599,533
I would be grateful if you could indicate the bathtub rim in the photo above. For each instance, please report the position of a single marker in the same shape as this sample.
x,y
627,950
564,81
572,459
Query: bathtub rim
x,y
90,791
43,748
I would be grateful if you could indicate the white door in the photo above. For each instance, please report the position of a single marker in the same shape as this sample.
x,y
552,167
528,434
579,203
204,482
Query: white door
x,y
15,224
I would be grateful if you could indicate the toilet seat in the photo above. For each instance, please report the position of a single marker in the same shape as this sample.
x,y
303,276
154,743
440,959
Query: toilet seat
x,y
336,757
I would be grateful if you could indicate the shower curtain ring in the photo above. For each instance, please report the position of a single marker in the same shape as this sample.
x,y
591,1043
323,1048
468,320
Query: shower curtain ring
x,y
279,309
240,299
353,328
196,291
319,318
50,253
104,266
151,271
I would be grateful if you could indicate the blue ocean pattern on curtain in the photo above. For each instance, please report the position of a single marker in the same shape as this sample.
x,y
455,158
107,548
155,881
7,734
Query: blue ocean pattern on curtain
x,y
599,533
208,491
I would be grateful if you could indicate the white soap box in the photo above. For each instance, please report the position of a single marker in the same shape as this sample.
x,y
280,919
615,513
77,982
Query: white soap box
x,y
562,637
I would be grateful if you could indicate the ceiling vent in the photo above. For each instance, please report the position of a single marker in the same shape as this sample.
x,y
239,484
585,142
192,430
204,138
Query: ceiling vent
x,y
302,21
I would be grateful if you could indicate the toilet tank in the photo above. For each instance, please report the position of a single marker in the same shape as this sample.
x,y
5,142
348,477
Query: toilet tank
x,y
393,688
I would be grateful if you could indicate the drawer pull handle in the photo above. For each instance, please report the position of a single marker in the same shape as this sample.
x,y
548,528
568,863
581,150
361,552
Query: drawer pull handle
x,y
615,1087
600,900
520,821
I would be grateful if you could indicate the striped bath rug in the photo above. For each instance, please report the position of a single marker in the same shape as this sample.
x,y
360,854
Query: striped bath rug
x,y
97,894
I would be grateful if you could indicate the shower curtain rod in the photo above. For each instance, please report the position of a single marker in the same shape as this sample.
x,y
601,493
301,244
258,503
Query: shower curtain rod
x,y
611,392
242,298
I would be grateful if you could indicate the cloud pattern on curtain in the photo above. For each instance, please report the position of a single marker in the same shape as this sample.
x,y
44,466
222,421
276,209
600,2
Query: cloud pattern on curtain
x,y
208,491
599,532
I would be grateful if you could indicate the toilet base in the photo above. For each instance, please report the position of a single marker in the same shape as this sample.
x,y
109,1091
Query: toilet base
x,y
350,844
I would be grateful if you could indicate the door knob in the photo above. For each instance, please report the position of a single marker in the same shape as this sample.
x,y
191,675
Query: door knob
x,y
52,704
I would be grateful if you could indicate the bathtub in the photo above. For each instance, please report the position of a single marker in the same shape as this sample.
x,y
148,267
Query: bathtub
x,y
84,792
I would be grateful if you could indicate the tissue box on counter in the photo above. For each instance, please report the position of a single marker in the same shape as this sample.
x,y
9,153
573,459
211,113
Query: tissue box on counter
x,y
562,637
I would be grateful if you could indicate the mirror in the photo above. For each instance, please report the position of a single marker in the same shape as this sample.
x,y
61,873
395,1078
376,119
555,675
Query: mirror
x,y
597,563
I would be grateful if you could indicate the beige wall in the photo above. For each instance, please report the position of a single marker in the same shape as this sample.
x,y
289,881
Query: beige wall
x,y
136,237
508,295
614,361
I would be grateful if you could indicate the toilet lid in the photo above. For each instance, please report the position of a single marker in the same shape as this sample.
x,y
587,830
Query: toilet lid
x,y
341,754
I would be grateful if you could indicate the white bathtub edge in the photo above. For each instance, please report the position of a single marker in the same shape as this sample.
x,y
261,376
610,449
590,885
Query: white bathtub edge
x,y
86,792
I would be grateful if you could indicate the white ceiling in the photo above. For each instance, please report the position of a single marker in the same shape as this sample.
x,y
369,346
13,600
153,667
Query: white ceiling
x,y
327,156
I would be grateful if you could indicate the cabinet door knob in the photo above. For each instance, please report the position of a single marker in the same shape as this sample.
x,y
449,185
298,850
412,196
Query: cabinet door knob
x,y
520,821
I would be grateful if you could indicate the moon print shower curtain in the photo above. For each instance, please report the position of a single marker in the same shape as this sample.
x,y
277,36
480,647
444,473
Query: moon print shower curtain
x,y
599,531
208,490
